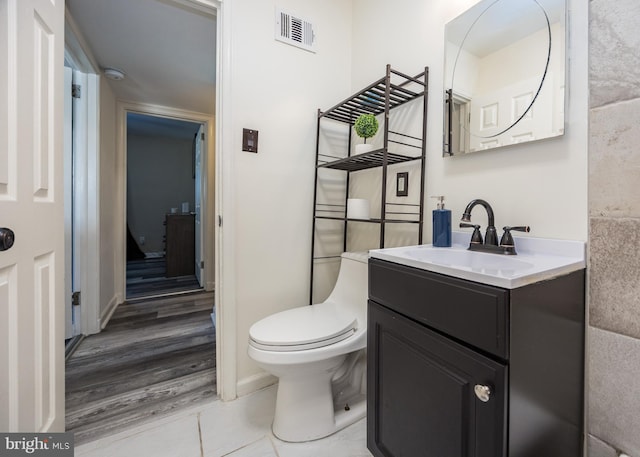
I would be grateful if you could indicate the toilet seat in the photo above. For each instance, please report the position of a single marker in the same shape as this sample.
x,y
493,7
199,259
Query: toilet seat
x,y
306,327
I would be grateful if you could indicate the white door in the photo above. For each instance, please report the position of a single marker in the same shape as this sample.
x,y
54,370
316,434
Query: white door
x,y
493,112
198,203
32,308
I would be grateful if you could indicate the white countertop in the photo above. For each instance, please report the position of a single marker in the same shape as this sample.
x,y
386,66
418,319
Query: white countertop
x,y
538,259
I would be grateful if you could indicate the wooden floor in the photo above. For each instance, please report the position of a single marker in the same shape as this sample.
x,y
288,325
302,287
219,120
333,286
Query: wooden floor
x,y
155,356
147,277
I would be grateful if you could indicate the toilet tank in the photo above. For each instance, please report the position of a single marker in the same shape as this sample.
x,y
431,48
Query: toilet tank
x,y
351,288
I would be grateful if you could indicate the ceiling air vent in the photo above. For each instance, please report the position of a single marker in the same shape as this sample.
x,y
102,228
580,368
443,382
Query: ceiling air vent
x,y
293,30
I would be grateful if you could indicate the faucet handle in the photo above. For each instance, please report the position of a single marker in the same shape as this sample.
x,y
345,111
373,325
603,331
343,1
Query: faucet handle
x,y
507,239
519,228
476,237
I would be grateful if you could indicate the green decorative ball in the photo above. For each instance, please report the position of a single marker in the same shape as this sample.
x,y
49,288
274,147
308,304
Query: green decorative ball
x,y
366,126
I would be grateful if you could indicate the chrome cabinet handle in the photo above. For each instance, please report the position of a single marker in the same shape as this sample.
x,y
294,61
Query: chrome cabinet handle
x,y
7,237
482,392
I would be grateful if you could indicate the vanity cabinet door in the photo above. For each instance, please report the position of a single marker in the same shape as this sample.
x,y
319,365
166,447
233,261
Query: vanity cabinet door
x,y
421,399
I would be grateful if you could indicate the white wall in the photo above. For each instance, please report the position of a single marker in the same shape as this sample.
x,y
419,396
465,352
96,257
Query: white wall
x,y
466,74
108,229
277,90
542,184
527,58
159,177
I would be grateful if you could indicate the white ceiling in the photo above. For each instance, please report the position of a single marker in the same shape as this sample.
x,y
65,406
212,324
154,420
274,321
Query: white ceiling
x,y
166,51
493,24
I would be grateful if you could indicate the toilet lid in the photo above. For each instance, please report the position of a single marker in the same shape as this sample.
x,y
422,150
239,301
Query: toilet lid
x,y
306,327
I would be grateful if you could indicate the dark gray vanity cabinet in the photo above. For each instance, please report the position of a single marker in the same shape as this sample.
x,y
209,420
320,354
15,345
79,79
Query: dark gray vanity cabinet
x,y
461,369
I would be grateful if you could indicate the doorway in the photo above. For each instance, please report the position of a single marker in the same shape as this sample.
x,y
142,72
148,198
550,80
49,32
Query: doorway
x,y
164,211
122,101
199,172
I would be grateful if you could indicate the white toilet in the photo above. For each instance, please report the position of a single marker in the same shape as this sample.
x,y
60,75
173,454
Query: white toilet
x,y
318,354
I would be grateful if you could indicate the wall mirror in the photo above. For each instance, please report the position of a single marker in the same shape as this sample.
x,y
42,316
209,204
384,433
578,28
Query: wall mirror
x,y
504,75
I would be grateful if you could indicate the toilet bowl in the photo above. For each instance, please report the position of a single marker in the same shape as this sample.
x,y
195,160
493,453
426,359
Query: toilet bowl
x,y
318,354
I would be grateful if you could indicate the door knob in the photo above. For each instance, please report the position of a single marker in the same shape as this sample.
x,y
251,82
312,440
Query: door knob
x,y
482,392
7,237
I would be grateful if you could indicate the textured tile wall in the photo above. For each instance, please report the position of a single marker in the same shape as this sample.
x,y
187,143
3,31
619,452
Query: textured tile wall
x,y
614,63
614,403
614,158
614,239
614,272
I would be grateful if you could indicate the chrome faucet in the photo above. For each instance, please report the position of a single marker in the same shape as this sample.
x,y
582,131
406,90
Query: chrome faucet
x,y
490,244
490,237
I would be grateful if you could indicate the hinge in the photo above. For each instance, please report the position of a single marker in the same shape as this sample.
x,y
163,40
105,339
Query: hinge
x,y
202,136
75,298
202,264
219,221
76,91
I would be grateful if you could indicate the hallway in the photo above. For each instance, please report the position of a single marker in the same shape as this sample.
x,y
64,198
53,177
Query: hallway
x,y
147,277
155,357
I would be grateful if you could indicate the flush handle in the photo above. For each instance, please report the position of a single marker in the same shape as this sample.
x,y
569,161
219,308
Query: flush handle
x,y
7,237
482,392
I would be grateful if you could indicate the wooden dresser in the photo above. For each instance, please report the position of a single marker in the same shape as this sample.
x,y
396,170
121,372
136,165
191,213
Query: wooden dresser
x,y
180,240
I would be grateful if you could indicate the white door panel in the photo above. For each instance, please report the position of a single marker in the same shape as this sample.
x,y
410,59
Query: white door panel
x,y
491,113
198,204
32,311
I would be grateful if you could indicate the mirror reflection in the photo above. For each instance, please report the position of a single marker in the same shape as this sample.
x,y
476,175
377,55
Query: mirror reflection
x,y
504,75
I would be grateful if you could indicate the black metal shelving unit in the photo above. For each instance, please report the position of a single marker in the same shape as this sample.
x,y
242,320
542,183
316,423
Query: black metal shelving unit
x,y
382,97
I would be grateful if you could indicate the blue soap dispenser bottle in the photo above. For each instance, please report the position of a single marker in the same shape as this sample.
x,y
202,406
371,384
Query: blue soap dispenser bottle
x,y
441,224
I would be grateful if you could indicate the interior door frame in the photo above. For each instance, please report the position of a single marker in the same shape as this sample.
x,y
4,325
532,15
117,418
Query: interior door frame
x,y
224,226
208,182
224,252
87,179
71,330
82,205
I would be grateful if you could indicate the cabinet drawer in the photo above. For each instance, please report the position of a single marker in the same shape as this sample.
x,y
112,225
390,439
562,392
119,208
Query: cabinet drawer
x,y
470,312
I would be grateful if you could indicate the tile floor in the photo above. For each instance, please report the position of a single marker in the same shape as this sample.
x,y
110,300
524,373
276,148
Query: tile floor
x,y
241,428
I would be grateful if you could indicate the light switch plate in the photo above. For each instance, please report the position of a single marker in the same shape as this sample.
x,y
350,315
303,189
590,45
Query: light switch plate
x,y
402,184
250,140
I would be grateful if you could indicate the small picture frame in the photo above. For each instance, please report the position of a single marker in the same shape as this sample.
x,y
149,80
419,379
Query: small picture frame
x,y
402,184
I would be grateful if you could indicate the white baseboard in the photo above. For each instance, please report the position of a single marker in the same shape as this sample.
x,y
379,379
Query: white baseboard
x,y
153,255
254,383
108,311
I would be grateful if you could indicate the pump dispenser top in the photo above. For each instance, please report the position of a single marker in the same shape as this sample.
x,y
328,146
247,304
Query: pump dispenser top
x,y
441,224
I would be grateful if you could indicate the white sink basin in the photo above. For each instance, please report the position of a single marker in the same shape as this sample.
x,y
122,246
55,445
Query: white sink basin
x,y
457,257
537,260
